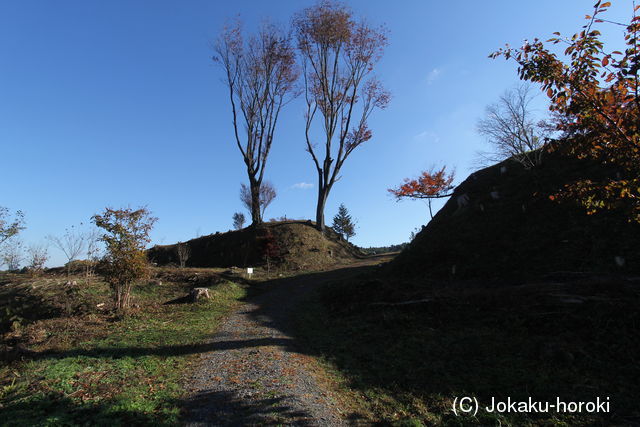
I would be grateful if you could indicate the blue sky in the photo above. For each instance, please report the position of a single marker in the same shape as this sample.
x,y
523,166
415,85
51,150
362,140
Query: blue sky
x,y
118,104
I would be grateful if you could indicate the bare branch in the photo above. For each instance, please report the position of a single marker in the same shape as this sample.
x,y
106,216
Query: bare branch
x,y
510,128
337,54
261,75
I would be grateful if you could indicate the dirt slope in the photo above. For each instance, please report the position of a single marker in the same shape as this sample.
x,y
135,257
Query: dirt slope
x,y
297,245
501,222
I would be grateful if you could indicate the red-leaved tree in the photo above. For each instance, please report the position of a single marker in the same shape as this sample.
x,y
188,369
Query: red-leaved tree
x,y
432,184
594,94
338,54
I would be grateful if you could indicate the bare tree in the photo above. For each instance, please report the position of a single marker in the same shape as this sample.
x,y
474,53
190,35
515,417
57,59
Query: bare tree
x,y
92,239
12,253
510,128
238,220
184,252
260,75
37,256
337,54
71,243
8,227
266,194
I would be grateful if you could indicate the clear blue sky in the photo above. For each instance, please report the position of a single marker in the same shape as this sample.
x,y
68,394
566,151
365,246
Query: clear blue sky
x,y
116,103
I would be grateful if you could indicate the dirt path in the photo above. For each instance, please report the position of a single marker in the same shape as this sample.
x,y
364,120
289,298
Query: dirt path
x,y
257,373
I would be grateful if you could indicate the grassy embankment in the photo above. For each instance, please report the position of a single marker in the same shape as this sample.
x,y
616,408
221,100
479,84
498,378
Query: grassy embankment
x,y
405,364
77,364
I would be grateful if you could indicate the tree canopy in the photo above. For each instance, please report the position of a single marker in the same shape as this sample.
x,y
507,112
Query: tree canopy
x,y
431,184
338,54
260,74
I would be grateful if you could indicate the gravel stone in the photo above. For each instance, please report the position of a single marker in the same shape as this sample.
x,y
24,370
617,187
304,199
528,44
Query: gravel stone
x,y
256,373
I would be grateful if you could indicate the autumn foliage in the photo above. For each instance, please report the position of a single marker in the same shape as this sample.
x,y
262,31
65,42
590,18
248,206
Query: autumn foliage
x,y
431,184
126,232
260,73
338,55
594,96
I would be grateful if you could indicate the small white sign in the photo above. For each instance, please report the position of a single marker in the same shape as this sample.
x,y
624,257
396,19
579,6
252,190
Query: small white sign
x,y
250,270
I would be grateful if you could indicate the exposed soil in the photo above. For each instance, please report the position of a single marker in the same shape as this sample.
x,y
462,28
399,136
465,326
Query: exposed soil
x,y
258,372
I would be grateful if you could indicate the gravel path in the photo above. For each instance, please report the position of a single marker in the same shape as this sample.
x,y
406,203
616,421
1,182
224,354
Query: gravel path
x,y
256,374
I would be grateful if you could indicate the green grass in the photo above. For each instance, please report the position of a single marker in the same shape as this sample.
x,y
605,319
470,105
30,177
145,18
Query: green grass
x,y
113,372
405,364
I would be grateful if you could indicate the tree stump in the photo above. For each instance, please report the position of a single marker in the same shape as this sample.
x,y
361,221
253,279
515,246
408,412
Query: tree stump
x,y
196,293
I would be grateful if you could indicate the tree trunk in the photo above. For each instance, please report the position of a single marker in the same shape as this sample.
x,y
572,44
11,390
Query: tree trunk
x,y
123,296
256,217
323,192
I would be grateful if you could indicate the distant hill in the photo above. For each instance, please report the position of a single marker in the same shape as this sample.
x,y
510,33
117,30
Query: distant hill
x,y
377,250
296,245
501,222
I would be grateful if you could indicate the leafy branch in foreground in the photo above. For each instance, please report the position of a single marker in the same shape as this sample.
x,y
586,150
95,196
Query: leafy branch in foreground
x,y
594,92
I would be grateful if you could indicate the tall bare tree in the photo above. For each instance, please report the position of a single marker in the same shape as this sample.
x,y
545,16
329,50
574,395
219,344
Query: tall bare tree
x,y
512,131
260,75
338,53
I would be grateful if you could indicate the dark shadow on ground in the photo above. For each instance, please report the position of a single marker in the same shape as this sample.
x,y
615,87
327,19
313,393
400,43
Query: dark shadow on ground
x,y
120,352
573,338
234,410
18,304
181,300
58,409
